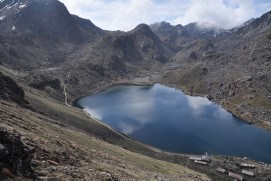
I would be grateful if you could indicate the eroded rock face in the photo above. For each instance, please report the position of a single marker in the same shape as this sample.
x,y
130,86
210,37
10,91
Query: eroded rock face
x,y
15,155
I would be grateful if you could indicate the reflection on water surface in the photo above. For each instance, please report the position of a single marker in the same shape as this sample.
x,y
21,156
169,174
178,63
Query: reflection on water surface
x,y
168,119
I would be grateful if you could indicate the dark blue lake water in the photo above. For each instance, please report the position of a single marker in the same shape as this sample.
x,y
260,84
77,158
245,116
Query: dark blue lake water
x,y
170,120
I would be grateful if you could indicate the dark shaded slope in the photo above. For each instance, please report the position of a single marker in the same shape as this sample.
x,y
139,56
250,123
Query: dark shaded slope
x,y
10,91
50,20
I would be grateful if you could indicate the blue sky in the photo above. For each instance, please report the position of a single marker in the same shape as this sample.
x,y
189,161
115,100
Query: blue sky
x,y
126,14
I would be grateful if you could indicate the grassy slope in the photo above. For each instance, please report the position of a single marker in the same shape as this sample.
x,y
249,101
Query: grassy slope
x,y
77,118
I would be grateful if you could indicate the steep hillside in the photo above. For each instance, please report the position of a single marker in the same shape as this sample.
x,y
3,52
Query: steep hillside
x,y
47,19
38,34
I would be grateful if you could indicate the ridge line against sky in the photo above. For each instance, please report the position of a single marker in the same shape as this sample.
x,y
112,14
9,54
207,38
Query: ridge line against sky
x,y
126,14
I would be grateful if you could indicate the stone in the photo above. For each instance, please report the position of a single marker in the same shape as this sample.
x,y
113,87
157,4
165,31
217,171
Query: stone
x,y
231,93
249,78
52,162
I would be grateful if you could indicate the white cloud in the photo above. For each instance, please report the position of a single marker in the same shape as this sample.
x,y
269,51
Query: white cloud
x,y
221,13
126,14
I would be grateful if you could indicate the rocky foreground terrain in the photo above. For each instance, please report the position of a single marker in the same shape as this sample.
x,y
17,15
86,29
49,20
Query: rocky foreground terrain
x,y
48,58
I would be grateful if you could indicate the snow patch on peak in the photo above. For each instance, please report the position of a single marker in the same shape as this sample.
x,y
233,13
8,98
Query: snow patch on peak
x,y
13,28
2,17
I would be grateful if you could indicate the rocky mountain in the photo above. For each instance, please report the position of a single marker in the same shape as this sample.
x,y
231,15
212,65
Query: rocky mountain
x,y
232,69
47,19
56,57
43,29
181,35
139,46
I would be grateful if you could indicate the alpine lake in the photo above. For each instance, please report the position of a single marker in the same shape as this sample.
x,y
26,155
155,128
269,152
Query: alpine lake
x,y
168,119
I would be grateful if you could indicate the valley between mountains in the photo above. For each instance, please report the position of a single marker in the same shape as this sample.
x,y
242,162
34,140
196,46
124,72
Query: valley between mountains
x,y
49,58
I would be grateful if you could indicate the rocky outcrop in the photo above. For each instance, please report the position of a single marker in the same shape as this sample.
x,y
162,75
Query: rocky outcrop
x,y
10,91
15,156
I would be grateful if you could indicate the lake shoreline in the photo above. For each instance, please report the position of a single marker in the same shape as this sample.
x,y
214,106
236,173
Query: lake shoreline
x,y
102,102
128,83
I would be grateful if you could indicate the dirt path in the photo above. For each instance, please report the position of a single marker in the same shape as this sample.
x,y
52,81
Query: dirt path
x,y
68,77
